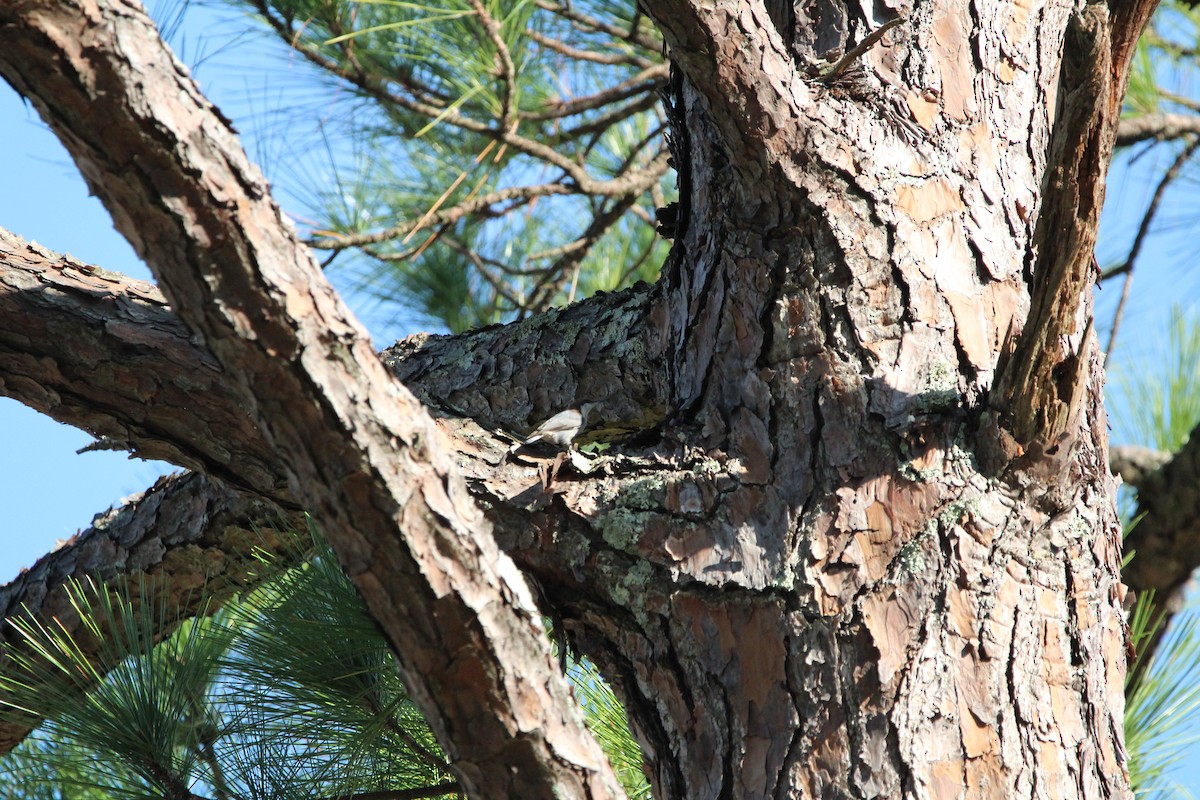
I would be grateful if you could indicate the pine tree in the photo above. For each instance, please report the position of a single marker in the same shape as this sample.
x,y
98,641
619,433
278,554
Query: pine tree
x,y
853,532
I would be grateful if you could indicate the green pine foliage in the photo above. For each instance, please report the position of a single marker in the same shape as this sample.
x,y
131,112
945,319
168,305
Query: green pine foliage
x,y
504,155
1158,405
290,692
143,722
1160,712
489,159
606,720
1167,57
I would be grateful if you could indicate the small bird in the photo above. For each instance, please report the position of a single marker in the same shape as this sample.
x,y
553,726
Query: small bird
x,y
562,428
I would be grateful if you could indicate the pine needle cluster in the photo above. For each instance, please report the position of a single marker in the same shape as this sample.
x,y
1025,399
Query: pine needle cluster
x,y
289,692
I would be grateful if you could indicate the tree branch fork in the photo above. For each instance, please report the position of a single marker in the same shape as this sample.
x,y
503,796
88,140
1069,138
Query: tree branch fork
x,y
343,435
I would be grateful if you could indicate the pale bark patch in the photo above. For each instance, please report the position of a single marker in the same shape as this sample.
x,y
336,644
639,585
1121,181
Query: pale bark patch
x,y
893,626
951,52
978,736
925,110
927,201
948,778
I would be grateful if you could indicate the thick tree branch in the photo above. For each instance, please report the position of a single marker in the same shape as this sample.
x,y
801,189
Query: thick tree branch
x,y
1136,464
778,549
1161,127
104,353
1165,541
1039,386
755,92
196,540
1166,538
353,444
604,348
111,335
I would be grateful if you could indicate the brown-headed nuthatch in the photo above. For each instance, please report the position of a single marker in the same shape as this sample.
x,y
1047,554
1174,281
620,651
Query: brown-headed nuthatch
x,y
562,428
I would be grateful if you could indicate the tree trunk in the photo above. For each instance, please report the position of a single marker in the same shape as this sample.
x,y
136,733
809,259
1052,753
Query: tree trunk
x,y
864,542
898,574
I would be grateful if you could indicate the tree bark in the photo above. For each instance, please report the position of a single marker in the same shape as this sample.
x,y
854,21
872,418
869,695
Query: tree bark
x,y
195,541
856,534
356,447
1165,540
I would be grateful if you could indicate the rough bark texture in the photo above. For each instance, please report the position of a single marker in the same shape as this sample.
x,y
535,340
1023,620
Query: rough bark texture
x,y
855,536
1166,539
196,542
102,352
350,443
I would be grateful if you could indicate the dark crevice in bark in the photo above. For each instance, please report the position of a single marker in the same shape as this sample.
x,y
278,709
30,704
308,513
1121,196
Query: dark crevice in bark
x,y
778,272
666,656
679,142
714,285
1010,673
665,774
852,638
1073,626
728,749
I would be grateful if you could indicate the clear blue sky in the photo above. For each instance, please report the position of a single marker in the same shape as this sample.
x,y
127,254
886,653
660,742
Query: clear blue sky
x,y
47,491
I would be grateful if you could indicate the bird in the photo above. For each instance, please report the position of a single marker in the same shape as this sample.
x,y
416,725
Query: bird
x,y
562,428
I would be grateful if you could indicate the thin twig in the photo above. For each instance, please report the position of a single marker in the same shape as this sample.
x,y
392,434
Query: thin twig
x,y
632,269
1113,272
858,49
376,89
433,209
605,121
567,50
633,35
422,793
649,80
656,135
442,217
403,255
574,252
496,284
507,71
